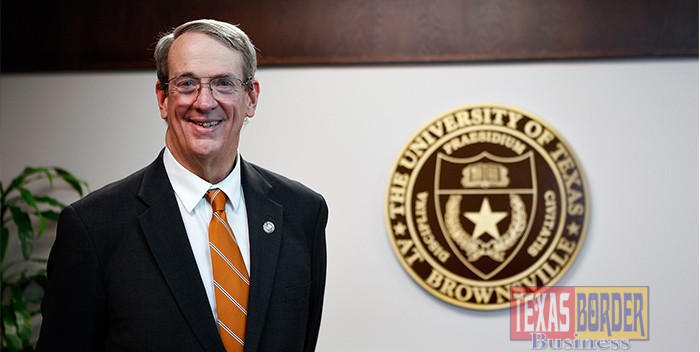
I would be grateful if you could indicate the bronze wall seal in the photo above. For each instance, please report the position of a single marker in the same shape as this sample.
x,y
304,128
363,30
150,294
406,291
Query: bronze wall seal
x,y
482,198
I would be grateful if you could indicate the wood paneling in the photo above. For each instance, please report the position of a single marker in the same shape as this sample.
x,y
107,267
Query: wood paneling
x,y
56,36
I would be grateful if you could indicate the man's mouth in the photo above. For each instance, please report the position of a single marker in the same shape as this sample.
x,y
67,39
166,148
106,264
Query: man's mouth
x,y
208,124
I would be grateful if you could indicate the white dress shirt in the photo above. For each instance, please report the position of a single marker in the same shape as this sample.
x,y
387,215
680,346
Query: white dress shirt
x,y
196,214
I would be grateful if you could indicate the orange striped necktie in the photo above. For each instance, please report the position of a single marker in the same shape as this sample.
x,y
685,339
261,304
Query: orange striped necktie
x,y
231,280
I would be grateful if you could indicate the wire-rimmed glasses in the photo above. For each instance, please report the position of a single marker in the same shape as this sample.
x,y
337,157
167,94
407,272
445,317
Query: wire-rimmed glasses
x,y
221,87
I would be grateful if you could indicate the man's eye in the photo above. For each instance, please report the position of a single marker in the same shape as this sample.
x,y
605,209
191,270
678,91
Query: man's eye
x,y
188,83
225,83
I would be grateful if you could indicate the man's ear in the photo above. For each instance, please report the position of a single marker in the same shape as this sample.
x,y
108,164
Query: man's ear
x,y
162,95
253,95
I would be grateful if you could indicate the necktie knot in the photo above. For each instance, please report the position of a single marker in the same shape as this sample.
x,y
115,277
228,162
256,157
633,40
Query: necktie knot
x,y
217,198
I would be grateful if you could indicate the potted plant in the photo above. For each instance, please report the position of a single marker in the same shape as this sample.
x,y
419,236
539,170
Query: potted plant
x,y
23,280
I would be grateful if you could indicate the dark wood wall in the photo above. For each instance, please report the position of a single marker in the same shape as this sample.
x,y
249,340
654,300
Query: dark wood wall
x,y
114,35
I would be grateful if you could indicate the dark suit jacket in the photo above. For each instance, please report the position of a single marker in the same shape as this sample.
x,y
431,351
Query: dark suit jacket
x,y
122,276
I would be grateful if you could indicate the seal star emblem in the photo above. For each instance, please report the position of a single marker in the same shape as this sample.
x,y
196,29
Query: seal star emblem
x,y
573,228
400,228
486,220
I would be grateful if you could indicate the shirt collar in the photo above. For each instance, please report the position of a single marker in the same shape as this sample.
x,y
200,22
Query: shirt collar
x,y
190,188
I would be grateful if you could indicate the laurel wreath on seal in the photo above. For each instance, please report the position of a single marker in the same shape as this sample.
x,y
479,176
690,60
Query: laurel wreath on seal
x,y
476,248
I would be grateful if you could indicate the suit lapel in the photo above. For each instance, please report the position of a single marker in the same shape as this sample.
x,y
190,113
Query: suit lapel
x,y
165,234
264,248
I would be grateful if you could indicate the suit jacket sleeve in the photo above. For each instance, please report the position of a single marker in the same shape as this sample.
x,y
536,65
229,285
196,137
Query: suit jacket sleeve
x,y
74,307
318,278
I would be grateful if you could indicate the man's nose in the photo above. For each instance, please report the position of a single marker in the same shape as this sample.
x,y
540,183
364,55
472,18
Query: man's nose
x,y
205,96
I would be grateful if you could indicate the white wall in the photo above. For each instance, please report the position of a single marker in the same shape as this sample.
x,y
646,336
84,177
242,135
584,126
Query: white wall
x,y
633,124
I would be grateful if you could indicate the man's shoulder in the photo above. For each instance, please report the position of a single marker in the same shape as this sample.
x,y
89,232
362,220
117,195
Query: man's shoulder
x,y
281,184
112,193
121,191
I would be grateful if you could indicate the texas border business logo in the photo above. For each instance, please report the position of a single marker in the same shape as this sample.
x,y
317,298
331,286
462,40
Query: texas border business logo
x,y
483,198
573,318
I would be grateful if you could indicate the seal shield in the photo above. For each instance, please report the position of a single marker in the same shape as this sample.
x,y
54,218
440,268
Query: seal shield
x,y
485,240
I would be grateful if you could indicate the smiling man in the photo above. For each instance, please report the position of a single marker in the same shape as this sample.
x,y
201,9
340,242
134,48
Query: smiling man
x,y
201,250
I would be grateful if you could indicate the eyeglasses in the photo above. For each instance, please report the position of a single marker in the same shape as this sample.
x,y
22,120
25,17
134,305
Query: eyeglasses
x,y
220,87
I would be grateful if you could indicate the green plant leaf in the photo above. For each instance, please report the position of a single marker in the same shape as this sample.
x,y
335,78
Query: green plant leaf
x,y
28,197
25,232
22,316
30,170
41,261
16,321
30,200
5,238
49,201
10,335
16,182
42,223
51,215
40,172
71,180
48,174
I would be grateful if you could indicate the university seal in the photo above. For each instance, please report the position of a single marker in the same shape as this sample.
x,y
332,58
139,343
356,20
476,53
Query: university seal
x,y
483,198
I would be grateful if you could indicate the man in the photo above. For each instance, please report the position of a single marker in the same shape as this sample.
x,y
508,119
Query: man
x,y
134,265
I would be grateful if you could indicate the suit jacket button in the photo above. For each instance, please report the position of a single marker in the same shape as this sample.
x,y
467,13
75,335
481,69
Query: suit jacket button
x,y
268,227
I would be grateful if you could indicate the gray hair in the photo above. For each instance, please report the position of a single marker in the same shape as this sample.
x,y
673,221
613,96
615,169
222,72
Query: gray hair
x,y
228,34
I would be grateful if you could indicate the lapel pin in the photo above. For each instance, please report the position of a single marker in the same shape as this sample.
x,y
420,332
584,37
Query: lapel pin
x,y
268,227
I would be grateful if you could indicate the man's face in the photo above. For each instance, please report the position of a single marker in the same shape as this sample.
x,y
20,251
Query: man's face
x,y
204,129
